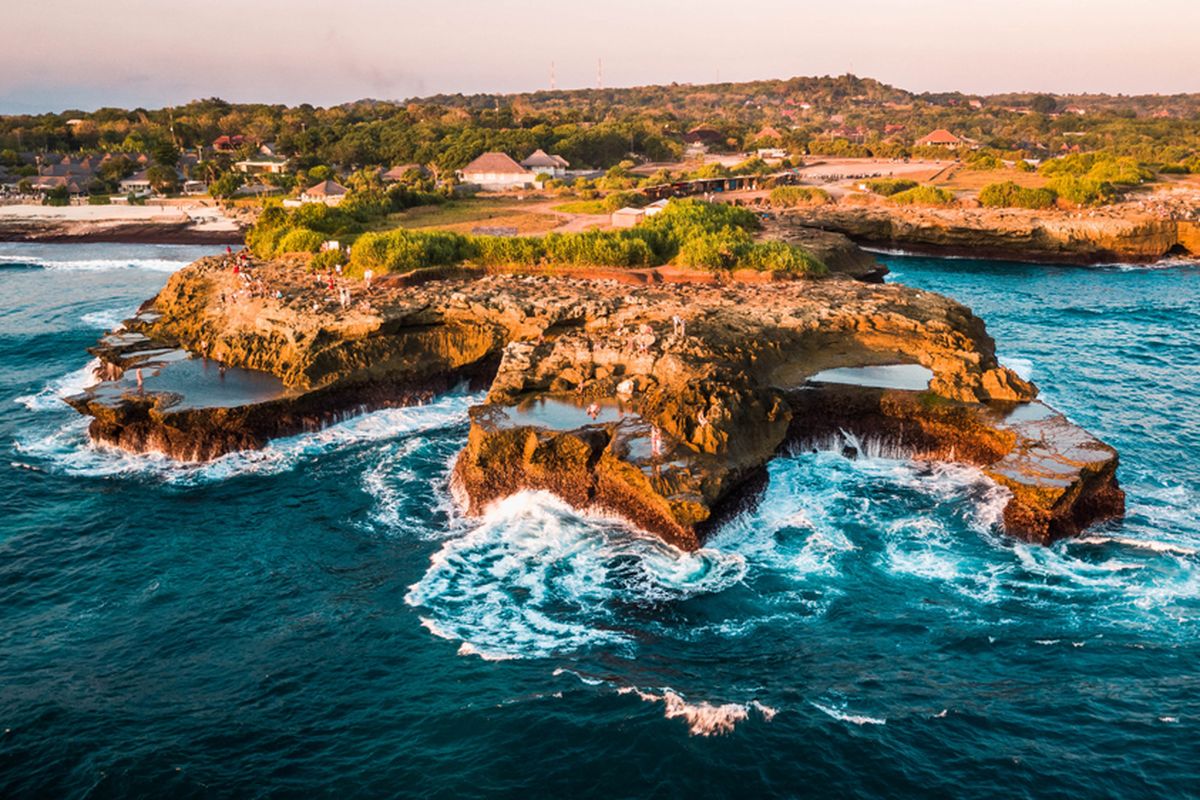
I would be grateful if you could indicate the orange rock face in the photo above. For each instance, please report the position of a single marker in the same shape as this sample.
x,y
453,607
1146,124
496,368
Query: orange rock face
x,y
662,402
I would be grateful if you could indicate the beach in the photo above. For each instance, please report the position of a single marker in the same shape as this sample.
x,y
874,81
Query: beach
x,y
187,222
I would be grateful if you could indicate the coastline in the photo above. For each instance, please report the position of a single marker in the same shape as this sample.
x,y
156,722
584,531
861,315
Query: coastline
x,y
1115,235
190,223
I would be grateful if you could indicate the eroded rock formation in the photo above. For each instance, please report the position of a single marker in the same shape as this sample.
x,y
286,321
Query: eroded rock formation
x,y
662,401
1017,234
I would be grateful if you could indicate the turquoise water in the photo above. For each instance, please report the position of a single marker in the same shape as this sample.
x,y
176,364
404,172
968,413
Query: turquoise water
x,y
317,618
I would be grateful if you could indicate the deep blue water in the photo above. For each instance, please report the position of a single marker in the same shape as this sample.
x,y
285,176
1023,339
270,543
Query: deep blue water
x,y
317,619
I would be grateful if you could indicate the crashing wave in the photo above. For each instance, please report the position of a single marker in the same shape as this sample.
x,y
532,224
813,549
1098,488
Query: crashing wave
x,y
50,397
534,578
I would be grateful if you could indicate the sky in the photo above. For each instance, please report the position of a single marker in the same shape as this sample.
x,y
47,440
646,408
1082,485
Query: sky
x,y
80,54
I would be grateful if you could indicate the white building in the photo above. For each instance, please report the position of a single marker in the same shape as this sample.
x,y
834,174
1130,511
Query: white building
x,y
496,172
328,192
627,217
261,165
539,163
136,184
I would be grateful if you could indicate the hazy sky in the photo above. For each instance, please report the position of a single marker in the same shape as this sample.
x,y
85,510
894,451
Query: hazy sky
x,y
60,54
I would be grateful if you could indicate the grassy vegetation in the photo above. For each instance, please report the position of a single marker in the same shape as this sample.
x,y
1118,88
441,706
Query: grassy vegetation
x,y
603,205
890,186
1088,179
1011,195
691,233
794,196
923,196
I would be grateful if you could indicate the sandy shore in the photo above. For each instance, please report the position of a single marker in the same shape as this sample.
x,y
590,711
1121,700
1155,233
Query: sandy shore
x,y
174,223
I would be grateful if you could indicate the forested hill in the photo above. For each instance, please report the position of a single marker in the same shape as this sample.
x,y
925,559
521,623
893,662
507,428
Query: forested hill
x,y
844,115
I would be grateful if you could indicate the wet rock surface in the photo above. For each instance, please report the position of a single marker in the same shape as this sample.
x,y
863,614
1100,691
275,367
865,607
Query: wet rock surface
x,y
661,402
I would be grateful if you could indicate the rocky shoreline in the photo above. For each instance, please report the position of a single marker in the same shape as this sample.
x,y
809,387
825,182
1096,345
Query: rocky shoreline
x,y
662,403
194,225
1084,238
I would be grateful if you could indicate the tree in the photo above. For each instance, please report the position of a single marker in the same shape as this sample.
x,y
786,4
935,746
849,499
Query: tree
x,y
165,154
115,170
162,179
225,185
1043,104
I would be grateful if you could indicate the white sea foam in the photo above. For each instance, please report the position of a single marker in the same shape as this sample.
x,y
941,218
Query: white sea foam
x,y
534,577
106,320
1022,366
98,264
1142,544
69,451
50,397
842,715
703,718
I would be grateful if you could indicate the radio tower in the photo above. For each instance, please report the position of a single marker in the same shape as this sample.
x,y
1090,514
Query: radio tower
x,y
599,73
553,82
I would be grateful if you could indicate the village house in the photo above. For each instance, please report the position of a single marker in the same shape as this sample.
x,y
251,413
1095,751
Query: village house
x,y
330,193
228,144
539,163
627,217
496,172
46,183
136,184
262,165
940,138
401,172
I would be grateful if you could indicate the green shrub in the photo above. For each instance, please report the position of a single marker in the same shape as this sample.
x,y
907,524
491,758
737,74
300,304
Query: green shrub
x,y
497,251
781,257
792,196
923,196
403,251
327,260
890,186
622,199
606,248
104,200
1010,195
719,250
300,240
1083,191
985,161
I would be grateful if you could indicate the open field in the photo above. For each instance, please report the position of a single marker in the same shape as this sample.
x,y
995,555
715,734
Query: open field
x,y
963,179
527,216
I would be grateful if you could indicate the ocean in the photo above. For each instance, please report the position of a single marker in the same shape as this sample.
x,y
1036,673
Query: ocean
x,y
318,619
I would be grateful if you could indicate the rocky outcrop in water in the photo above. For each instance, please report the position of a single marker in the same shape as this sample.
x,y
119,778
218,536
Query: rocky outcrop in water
x,y
662,402
1017,234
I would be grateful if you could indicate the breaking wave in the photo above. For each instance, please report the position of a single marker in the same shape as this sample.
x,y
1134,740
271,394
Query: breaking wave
x,y
535,578
101,257
50,398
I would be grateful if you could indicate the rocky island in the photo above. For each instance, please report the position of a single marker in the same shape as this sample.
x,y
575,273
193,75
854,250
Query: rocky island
x,y
656,394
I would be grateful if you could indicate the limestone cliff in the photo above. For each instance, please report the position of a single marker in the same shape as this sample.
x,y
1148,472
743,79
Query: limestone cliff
x,y
1089,237
662,401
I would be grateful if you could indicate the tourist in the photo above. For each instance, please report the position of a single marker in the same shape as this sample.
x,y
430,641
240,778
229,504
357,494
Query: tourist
x,y
367,276
140,384
655,441
593,410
